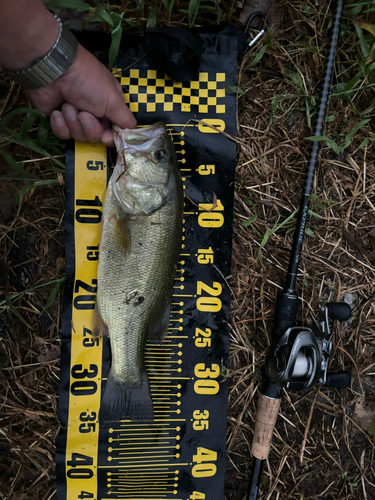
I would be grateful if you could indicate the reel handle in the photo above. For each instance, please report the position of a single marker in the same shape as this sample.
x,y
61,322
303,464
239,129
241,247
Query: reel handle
x,y
339,310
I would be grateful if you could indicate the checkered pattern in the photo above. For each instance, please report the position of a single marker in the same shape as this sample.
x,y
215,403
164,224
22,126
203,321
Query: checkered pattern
x,y
147,88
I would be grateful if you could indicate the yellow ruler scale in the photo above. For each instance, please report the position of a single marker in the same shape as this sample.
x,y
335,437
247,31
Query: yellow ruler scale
x,y
86,352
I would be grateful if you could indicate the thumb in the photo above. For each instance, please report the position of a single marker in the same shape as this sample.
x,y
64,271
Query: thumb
x,y
117,111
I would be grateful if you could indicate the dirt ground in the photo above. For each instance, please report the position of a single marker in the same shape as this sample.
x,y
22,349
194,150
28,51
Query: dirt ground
x,y
323,446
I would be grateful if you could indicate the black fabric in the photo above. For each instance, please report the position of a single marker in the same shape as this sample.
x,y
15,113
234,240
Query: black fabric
x,y
174,51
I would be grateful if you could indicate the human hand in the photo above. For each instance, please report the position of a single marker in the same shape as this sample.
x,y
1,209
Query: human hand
x,y
90,99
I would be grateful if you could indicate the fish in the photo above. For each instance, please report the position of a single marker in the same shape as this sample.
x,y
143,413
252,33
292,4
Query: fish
x,y
139,249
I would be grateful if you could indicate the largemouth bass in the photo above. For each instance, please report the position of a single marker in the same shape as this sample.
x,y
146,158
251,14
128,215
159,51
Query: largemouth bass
x,y
138,255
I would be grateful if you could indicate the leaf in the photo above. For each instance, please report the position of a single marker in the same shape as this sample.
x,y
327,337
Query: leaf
x,y
333,145
296,78
193,10
258,57
265,239
309,232
116,18
168,5
152,17
19,111
28,143
101,15
247,223
367,27
353,82
372,429
315,138
43,131
21,193
330,143
18,295
290,217
16,313
353,12
314,214
365,141
13,163
352,486
362,41
234,89
349,136
68,4
27,125
53,294
115,44
131,23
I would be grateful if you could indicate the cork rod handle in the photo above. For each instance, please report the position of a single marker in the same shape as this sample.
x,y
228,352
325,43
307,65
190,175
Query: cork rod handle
x,y
268,410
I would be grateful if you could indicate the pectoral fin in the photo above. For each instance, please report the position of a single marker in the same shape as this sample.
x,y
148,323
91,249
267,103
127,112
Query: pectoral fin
x,y
158,330
122,234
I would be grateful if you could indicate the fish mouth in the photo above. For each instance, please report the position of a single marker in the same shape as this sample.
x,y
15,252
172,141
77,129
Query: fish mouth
x,y
143,136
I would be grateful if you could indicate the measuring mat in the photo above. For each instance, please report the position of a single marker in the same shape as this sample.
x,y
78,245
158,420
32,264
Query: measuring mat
x,y
181,454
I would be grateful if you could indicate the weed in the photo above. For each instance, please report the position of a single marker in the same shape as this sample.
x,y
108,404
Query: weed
x,y
168,4
8,302
344,140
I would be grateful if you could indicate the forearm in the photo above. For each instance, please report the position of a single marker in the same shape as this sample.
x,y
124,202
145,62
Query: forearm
x,y
27,31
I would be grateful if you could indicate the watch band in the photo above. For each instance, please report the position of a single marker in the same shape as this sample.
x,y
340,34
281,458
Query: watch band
x,y
48,68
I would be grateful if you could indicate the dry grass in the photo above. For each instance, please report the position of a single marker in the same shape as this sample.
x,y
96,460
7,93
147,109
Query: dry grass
x,y
322,447
32,255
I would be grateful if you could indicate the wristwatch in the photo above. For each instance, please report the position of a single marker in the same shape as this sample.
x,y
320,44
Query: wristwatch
x,y
48,68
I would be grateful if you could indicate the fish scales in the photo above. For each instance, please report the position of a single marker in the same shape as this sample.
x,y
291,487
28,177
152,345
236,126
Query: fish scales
x,y
138,257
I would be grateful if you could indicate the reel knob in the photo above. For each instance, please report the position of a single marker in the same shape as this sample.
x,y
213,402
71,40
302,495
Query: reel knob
x,y
339,310
339,380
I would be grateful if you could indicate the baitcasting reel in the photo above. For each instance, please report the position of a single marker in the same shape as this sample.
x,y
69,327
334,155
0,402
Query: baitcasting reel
x,y
300,357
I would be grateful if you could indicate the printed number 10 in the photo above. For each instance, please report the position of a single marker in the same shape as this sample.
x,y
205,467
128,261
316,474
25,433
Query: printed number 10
x,y
211,216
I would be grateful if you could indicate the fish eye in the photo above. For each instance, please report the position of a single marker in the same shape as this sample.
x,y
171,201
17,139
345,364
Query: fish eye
x,y
160,154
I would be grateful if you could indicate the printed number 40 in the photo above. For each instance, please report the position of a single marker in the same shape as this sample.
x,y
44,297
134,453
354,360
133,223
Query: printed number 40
x,y
202,468
85,494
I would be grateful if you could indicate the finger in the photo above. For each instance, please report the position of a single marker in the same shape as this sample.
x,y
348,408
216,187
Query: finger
x,y
71,119
118,112
45,99
107,138
91,127
59,126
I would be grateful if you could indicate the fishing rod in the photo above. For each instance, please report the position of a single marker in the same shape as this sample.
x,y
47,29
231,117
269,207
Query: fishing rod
x,y
298,356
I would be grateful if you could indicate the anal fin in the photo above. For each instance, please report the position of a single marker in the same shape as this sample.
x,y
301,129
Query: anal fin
x,y
99,327
159,329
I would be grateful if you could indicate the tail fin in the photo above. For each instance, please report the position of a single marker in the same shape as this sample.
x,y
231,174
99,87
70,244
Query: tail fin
x,y
122,400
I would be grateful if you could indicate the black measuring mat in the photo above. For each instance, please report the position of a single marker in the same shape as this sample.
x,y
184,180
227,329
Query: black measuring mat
x,y
181,454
